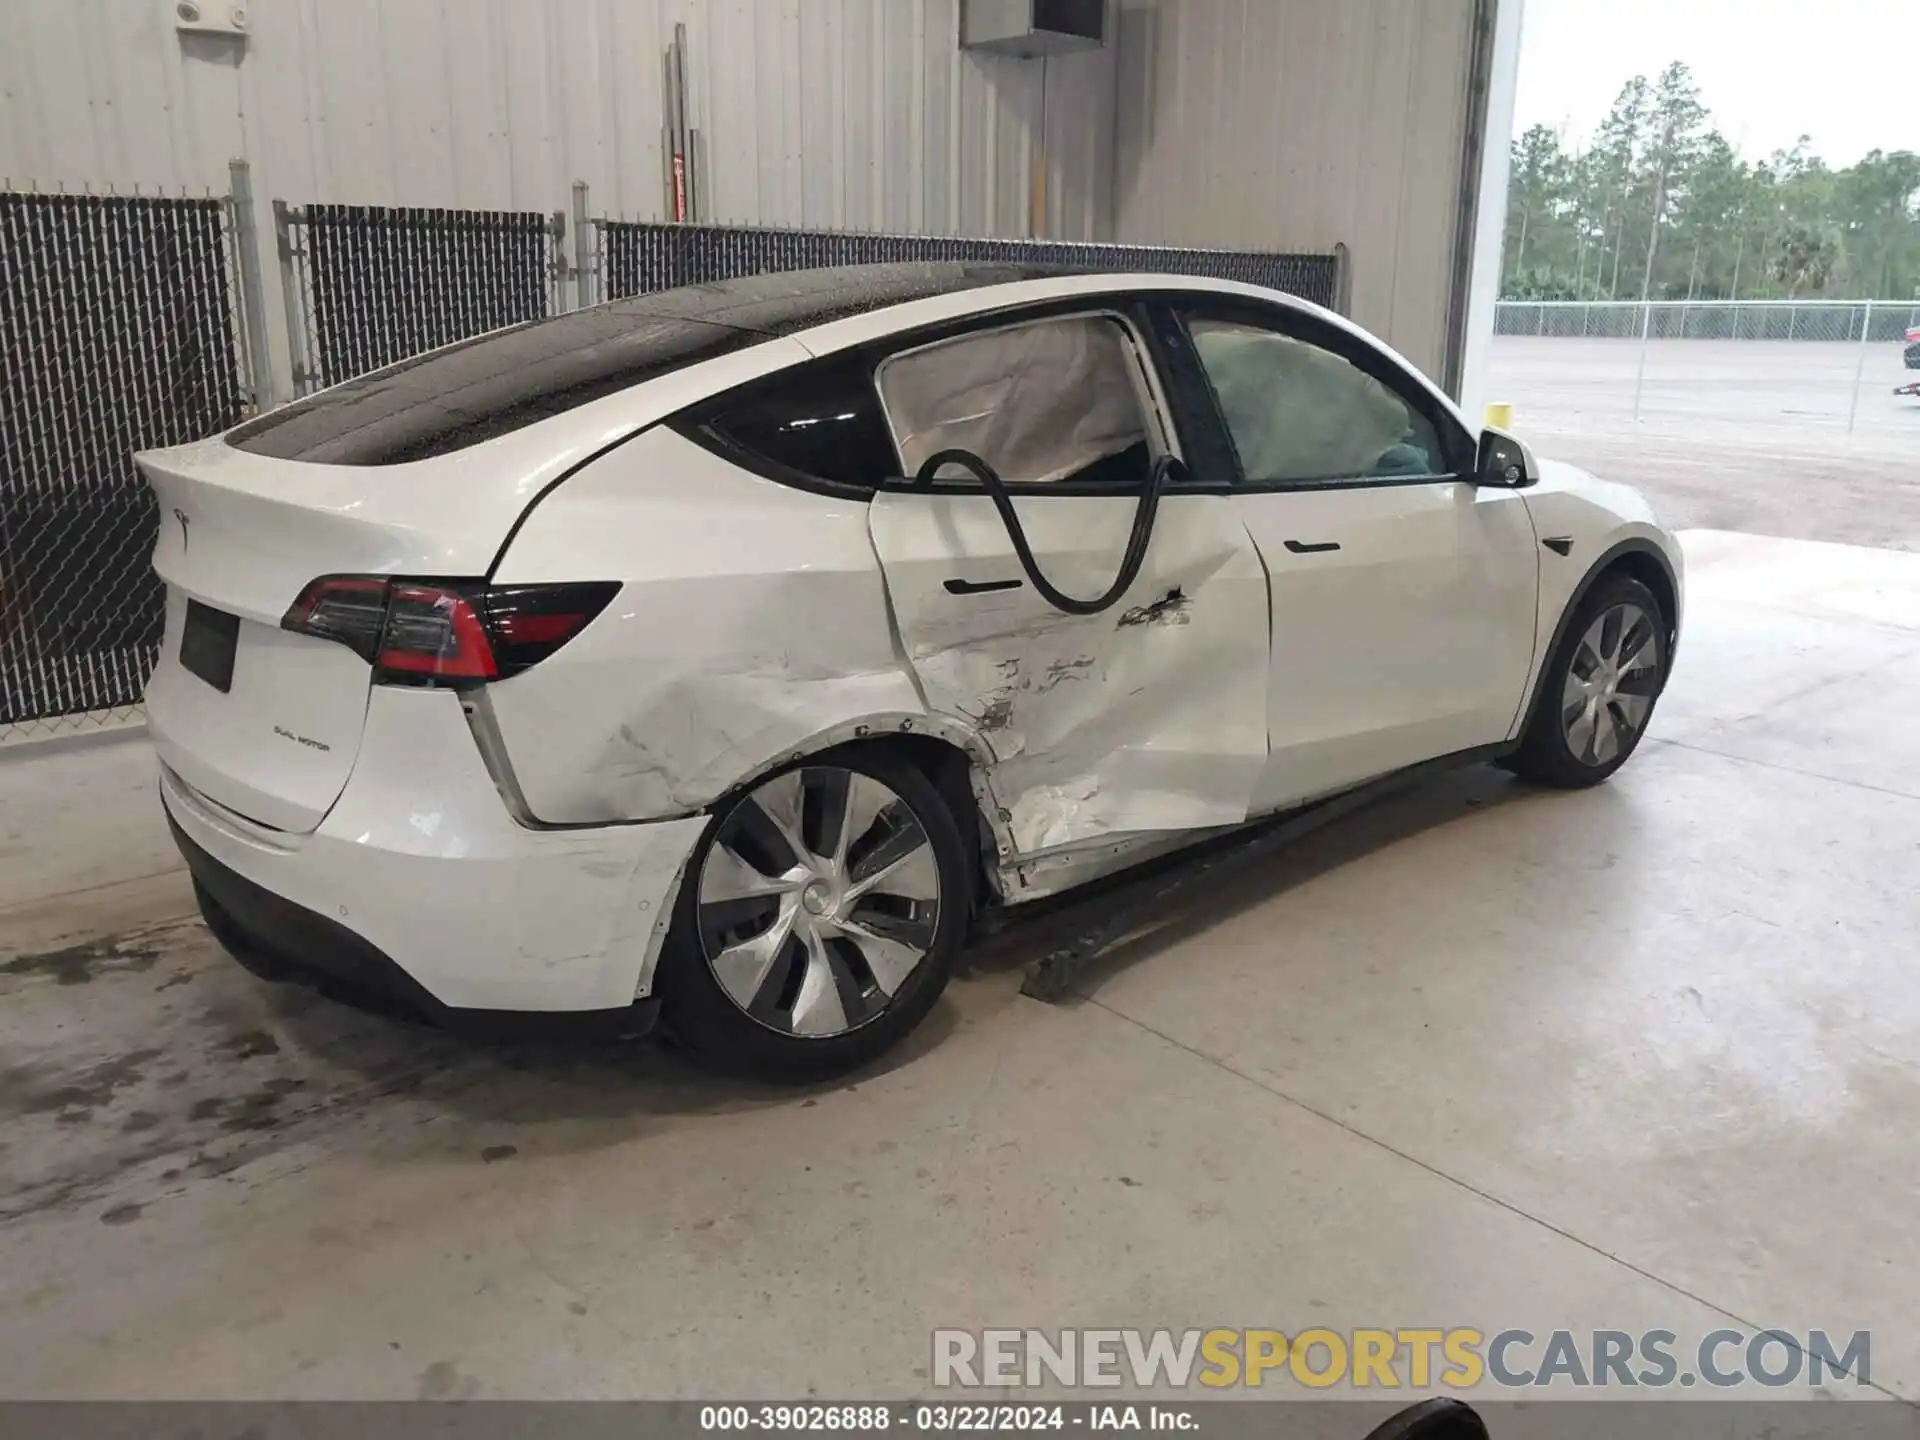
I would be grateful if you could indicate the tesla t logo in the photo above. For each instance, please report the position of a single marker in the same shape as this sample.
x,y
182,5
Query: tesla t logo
x,y
181,516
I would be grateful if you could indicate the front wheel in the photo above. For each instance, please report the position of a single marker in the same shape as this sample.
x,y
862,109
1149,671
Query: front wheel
x,y
818,920
1599,688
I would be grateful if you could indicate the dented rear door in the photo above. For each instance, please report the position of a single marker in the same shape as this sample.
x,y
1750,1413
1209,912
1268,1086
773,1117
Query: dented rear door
x,y
1147,718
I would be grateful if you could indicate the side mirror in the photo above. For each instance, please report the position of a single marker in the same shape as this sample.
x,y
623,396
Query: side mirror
x,y
1505,461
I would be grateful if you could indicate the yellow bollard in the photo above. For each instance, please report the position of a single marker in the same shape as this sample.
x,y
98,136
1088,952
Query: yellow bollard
x,y
1500,415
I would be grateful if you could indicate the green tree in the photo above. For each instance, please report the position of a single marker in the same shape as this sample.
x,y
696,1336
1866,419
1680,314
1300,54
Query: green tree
x,y
1614,171
1876,201
1540,195
1674,134
1660,205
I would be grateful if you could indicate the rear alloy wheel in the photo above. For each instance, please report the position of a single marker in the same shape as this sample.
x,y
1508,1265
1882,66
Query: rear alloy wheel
x,y
819,919
1599,690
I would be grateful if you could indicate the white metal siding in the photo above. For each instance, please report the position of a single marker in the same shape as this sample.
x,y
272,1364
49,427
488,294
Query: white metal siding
x,y
1259,124
1298,125
847,114
860,114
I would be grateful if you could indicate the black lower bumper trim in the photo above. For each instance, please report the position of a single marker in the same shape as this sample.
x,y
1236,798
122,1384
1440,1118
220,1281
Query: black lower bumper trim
x,y
278,940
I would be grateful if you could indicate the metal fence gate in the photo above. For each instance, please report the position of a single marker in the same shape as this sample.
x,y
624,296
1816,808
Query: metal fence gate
x,y
634,257
117,333
367,285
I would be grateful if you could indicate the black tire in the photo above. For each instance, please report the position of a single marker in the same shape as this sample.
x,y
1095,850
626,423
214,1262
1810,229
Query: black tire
x,y
1441,1419
697,1012
1546,752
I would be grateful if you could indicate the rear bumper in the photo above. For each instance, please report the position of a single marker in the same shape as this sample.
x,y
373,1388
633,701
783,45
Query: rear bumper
x,y
420,890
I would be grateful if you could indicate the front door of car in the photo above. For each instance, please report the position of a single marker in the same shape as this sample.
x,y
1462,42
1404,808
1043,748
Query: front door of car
x,y
1403,594
1147,717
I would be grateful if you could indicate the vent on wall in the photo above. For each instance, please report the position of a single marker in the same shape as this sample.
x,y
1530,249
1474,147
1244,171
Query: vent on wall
x,y
209,17
1032,27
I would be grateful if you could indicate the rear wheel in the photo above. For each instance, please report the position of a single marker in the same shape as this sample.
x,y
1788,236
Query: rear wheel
x,y
1599,689
818,920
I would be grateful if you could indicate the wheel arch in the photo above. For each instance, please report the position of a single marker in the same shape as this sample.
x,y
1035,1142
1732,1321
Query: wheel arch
x,y
1638,557
951,756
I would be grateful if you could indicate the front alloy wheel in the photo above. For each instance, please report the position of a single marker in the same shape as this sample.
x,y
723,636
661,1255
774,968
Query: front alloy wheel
x,y
819,919
1611,682
1599,688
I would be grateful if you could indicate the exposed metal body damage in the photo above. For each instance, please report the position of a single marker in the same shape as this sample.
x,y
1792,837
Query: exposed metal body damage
x,y
1145,719
758,636
731,660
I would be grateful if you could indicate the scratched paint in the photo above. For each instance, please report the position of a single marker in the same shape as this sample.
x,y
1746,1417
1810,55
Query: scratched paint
x,y
1171,608
724,655
1148,717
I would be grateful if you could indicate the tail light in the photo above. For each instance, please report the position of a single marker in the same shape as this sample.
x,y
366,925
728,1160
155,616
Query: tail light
x,y
426,632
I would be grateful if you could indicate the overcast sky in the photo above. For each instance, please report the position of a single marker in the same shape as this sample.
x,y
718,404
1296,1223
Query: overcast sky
x,y
1846,72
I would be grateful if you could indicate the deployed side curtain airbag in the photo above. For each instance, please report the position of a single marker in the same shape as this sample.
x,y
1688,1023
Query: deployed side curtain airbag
x,y
1297,412
1039,402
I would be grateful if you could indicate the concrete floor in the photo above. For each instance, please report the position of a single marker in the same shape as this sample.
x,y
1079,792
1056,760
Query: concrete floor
x,y
1647,1056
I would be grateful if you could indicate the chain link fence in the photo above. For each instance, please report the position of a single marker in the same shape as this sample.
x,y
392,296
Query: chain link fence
x,y
118,332
635,257
1877,321
368,285
1777,373
130,323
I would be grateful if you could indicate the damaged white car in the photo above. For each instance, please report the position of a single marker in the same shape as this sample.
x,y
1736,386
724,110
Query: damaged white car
x,y
718,654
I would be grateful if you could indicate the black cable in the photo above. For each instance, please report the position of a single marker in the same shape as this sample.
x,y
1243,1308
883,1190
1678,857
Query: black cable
x,y
1136,553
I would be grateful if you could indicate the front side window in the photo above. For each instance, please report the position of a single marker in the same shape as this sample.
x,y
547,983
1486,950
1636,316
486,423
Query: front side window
x,y
1050,402
1298,414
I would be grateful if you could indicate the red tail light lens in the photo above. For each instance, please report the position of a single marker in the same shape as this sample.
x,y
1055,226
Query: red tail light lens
x,y
433,634
529,622
351,609
423,632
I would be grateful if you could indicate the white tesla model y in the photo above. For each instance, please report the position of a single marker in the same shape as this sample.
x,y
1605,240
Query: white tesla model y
x,y
718,654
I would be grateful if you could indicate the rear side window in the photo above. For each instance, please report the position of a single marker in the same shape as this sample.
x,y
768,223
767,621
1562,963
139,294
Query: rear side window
x,y
1044,402
822,421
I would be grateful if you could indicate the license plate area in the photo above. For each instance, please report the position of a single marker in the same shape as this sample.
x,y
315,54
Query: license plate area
x,y
208,641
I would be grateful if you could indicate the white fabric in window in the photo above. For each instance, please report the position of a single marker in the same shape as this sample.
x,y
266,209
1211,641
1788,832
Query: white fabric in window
x,y
1037,402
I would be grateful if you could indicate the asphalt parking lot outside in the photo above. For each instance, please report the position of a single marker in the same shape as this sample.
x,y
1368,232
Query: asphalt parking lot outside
x,y
1731,435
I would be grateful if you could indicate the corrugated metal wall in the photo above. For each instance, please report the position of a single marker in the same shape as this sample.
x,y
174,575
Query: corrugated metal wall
x,y
847,113
856,114
1300,124
1283,124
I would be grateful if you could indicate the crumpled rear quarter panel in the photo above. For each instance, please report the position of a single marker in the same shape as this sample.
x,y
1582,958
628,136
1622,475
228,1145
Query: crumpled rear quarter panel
x,y
752,619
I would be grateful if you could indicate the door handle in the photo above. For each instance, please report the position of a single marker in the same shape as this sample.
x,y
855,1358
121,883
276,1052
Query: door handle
x,y
958,586
1302,547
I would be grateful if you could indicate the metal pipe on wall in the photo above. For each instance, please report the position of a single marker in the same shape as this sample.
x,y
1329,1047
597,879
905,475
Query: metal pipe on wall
x,y
253,292
669,192
284,219
680,142
582,250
